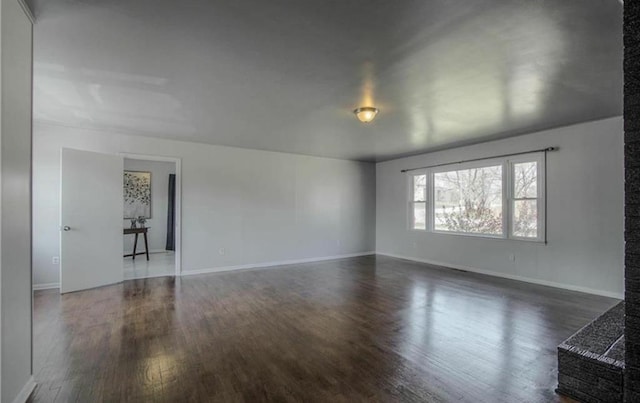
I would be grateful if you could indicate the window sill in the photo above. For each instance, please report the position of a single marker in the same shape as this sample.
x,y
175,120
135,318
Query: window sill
x,y
480,236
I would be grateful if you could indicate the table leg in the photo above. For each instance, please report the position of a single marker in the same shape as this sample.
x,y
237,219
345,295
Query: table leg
x,y
146,244
135,246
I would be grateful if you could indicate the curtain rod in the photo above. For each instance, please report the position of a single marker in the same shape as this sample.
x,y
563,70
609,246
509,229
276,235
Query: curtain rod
x,y
484,158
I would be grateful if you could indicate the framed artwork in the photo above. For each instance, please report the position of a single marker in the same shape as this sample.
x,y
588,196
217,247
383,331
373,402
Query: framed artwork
x,y
137,194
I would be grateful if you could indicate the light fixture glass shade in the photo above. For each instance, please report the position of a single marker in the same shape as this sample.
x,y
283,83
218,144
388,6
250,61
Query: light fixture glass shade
x,y
366,114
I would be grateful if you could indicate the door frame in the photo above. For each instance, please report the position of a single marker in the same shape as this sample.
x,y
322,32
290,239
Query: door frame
x,y
178,218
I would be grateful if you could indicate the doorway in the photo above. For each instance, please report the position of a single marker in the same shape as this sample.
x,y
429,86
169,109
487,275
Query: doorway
x,y
92,247
151,205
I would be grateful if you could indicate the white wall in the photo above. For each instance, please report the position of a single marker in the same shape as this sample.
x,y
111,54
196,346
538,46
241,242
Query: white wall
x,y
585,212
15,218
157,224
258,206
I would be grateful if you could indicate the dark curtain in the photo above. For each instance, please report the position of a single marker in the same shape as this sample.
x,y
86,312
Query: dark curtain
x,y
171,214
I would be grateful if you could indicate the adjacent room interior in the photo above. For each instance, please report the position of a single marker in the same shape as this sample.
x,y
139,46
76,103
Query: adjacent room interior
x,y
149,194
352,201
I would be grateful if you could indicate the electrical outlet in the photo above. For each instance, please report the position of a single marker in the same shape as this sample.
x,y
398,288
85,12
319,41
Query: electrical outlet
x,y
222,251
55,260
512,257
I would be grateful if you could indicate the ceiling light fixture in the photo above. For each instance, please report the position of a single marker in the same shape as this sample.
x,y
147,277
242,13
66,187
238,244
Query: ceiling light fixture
x,y
366,114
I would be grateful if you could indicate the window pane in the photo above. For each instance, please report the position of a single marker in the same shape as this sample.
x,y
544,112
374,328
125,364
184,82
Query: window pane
x,y
469,201
525,179
420,188
419,216
525,218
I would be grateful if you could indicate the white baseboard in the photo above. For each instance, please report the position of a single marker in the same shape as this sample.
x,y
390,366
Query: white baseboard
x,y
151,251
142,277
26,391
569,287
272,264
45,286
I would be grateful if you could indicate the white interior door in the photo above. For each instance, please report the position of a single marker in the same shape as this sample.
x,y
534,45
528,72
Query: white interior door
x,y
90,220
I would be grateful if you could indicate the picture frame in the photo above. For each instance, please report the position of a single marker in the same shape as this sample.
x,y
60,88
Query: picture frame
x,y
137,194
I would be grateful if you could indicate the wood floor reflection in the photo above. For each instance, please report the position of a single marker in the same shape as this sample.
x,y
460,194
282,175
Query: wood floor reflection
x,y
361,329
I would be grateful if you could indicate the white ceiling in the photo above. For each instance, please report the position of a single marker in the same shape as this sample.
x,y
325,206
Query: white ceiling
x,y
284,75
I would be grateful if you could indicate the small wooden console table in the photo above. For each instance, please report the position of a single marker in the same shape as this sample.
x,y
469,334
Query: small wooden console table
x,y
138,231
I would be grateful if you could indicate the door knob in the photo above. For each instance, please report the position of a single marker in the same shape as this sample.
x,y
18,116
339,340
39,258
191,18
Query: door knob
x,y
66,228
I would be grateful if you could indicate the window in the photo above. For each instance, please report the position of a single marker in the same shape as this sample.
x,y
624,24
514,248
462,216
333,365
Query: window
x,y
500,198
419,202
468,201
525,199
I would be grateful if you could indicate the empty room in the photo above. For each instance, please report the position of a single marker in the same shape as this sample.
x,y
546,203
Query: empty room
x,y
307,201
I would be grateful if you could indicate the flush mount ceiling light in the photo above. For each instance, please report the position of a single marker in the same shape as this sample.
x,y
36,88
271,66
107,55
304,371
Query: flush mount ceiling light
x,y
366,114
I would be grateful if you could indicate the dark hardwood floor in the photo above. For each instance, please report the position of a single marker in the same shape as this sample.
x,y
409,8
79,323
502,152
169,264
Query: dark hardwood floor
x,y
362,329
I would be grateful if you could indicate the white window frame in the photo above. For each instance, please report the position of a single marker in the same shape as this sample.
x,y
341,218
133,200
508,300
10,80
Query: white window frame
x,y
461,167
540,199
508,199
411,203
